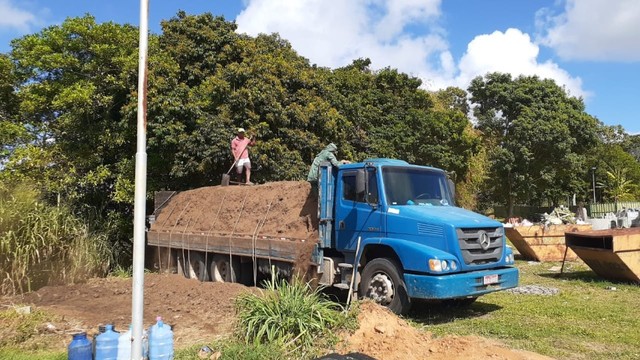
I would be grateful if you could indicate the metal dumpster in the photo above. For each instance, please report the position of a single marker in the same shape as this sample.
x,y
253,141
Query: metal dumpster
x,y
613,254
543,243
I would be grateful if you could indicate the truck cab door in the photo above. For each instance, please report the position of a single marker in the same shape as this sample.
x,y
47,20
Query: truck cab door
x,y
358,211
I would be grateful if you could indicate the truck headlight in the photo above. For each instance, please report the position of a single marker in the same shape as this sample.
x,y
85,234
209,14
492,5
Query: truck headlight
x,y
438,265
509,259
508,255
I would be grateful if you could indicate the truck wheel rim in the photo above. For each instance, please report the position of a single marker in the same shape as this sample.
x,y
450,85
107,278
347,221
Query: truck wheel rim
x,y
381,289
223,269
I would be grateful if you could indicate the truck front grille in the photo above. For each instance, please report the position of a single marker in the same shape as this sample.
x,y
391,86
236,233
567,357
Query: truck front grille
x,y
474,251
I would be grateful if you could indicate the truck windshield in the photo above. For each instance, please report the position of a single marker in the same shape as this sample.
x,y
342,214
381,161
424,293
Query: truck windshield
x,y
414,186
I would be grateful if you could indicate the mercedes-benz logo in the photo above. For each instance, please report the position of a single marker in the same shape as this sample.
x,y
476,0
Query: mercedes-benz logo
x,y
484,240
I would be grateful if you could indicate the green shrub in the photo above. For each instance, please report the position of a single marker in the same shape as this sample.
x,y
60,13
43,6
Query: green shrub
x,y
292,314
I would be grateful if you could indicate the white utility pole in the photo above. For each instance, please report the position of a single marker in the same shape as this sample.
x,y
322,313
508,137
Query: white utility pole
x,y
137,307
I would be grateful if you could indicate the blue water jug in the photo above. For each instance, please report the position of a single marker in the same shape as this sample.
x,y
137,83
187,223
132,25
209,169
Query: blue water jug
x,y
107,344
80,347
160,341
124,345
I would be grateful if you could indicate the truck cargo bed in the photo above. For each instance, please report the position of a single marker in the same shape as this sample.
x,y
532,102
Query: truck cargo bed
x,y
272,221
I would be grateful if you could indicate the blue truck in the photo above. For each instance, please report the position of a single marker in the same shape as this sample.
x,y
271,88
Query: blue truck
x,y
385,228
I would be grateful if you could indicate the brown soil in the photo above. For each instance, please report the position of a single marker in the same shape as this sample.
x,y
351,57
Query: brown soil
x,y
201,312
197,311
278,209
383,335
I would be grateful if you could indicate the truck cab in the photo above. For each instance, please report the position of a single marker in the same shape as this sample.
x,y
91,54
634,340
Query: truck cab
x,y
399,226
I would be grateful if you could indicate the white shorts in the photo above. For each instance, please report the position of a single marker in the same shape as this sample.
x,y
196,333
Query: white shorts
x,y
243,163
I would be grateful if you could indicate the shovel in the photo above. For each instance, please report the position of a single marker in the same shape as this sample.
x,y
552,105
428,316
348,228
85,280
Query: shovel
x,y
226,178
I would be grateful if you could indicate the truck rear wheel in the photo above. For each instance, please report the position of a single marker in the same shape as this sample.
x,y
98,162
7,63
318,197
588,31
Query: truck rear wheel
x,y
196,267
225,268
381,281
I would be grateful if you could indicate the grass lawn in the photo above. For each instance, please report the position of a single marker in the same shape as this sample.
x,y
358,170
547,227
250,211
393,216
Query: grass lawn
x,y
585,320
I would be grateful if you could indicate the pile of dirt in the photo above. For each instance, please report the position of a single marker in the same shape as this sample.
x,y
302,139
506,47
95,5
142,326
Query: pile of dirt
x,y
277,209
198,311
383,335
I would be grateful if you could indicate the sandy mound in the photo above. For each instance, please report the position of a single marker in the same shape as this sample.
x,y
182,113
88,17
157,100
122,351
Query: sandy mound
x,y
385,336
279,209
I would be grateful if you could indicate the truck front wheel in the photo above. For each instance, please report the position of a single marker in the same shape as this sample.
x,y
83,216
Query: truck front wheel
x,y
381,281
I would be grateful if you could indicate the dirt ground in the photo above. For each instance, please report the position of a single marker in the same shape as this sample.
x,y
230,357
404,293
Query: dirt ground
x,y
277,209
200,312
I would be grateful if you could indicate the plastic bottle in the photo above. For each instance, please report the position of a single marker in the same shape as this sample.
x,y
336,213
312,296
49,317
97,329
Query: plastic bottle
x,y
80,347
160,341
145,344
107,344
124,345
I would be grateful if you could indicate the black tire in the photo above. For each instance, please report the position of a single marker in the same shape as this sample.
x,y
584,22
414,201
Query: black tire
x,y
386,273
225,268
196,266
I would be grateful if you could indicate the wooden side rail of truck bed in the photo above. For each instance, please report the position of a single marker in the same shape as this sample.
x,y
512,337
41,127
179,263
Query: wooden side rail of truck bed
x,y
266,247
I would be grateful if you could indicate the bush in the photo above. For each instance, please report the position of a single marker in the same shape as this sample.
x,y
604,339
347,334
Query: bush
x,y
292,314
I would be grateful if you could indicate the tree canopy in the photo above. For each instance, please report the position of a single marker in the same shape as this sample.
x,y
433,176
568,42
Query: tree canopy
x,y
538,137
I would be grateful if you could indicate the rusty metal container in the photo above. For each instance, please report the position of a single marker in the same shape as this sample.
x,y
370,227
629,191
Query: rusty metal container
x,y
543,243
613,254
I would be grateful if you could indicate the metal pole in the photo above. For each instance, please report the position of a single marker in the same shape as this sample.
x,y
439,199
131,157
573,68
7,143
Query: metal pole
x,y
593,178
137,307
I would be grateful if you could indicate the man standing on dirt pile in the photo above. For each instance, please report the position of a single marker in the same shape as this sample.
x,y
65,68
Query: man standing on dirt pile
x,y
240,150
328,154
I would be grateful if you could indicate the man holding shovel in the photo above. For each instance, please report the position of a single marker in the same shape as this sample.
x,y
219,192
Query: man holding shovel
x,y
240,150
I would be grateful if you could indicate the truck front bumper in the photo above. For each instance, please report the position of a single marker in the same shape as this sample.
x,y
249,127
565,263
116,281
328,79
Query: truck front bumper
x,y
449,286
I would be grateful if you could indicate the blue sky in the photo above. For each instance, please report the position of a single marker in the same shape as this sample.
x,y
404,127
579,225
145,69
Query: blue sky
x,y
591,47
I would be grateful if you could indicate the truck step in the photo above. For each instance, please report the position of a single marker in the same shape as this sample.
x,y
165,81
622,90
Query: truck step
x,y
342,286
345,266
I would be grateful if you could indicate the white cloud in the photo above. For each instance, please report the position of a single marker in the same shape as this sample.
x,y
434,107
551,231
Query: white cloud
x,y
335,32
593,30
512,52
15,18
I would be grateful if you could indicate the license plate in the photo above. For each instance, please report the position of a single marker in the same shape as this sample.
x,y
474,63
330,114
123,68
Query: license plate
x,y
490,279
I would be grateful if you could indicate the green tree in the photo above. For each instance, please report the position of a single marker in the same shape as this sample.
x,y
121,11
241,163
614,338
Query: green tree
x,y
393,117
11,132
537,135
617,173
618,185
74,81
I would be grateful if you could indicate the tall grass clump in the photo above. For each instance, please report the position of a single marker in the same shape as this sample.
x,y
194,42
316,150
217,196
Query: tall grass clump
x,y
43,244
290,314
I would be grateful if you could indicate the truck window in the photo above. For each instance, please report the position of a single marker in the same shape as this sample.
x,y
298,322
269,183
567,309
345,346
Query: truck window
x,y
416,186
349,187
